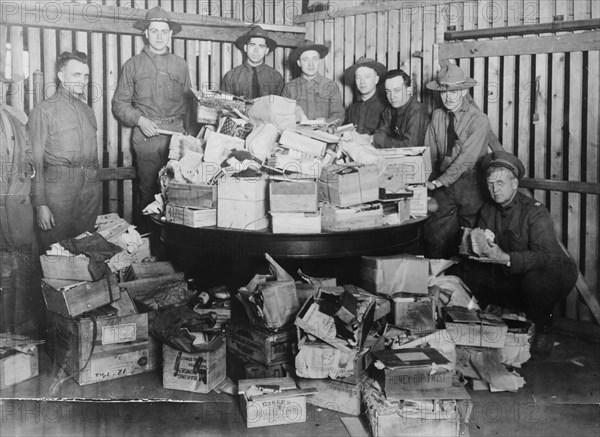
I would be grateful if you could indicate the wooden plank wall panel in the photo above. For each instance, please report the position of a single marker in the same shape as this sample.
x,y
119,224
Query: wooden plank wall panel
x,y
338,58
125,159
34,47
349,30
112,126
506,134
525,93
393,37
320,39
493,14
18,90
371,36
416,50
382,26
405,39
479,64
328,62
429,34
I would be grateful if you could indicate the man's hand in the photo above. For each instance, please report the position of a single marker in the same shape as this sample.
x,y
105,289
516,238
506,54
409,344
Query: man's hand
x,y
45,218
148,127
430,186
495,255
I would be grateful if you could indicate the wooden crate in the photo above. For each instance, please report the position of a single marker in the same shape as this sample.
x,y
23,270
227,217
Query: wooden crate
x,y
415,313
242,204
190,216
118,346
198,372
334,395
72,298
387,275
293,196
471,328
17,367
260,344
66,267
200,196
242,367
296,223
140,270
348,185
354,217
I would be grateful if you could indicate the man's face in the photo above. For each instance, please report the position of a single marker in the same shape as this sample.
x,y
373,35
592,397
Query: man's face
x,y
256,50
397,92
158,35
502,185
75,76
366,80
452,99
309,63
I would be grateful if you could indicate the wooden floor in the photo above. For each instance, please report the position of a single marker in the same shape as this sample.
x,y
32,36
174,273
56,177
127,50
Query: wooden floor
x,y
561,398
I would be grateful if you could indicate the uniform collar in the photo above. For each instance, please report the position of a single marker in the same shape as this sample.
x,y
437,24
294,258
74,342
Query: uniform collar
x,y
152,54
318,79
511,205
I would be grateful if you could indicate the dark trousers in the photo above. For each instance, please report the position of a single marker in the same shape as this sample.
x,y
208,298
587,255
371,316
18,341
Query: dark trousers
x,y
458,206
74,195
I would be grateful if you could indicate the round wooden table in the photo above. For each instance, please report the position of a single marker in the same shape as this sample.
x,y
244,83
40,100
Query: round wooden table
x,y
230,256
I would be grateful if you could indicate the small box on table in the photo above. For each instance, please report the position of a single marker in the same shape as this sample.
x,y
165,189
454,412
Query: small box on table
x,y
201,196
190,216
335,218
348,185
242,203
296,223
293,196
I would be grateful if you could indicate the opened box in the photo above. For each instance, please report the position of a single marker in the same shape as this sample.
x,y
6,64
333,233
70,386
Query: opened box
x,y
192,195
408,165
74,268
369,215
190,216
260,344
348,185
293,196
388,275
334,395
242,203
474,328
415,313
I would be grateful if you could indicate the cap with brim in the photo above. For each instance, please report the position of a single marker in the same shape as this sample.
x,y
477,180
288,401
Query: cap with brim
x,y
157,14
305,46
256,32
451,78
379,68
505,160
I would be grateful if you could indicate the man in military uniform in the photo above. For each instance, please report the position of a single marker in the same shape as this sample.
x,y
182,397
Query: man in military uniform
x,y
524,266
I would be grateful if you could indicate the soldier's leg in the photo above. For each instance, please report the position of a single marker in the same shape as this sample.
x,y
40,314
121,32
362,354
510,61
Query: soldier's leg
x,y
442,227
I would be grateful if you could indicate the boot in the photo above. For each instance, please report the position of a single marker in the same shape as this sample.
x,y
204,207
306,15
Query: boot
x,y
543,339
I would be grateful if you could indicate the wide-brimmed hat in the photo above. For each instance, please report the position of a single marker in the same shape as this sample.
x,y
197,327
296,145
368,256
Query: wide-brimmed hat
x,y
363,61
305,46
255,32
451,78
158,14
505,160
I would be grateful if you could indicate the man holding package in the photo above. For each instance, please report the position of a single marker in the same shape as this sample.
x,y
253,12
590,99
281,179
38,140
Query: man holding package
x,y
153,94
319,97
457,137
521,265
254,78
405,123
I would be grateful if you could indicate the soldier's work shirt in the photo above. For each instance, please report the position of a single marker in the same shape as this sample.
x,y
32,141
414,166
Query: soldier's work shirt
x,y
366,114
319,97
238,81
410,126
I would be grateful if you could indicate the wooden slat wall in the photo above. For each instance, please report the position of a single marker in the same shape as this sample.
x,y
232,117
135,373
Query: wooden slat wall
x,y
544,108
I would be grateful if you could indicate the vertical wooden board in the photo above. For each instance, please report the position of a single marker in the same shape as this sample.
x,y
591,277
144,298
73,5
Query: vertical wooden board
x,y
393,40
371,37
469,20
310,30
17,67
267,18
65,41
204,62
523,108
191,58
509,105
429,35
291,8
238,13
125,145
320,39
49,61
405,60
382,37
98,87
178,43
360,41
216,72
112,127
279,15
34,45
81,42
481,92
338,57
416,51
349,31
328,62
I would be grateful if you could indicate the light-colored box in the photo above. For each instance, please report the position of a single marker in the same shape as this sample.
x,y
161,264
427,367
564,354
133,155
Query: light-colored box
x,y
242,203
415,313
200,196
66,267
354,217
342,185
17,367
392,274
260,344
410,165
472,328
191,216
296,223
334,395
293,196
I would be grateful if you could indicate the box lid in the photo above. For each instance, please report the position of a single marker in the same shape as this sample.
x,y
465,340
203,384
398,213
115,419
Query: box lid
x,y
410,358
457,314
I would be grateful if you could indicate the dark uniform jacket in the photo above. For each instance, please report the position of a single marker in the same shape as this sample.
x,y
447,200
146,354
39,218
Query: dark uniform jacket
x,y
524,230
238,81
366,114
402,127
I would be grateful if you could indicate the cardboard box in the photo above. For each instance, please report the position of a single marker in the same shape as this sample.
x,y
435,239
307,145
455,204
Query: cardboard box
x,y
17,367
348,185
222,309
284,408
198,372
242,204
201,196
72,298
296,223
120,347
260,344
140,287
410,165
388,275
242,367
293,196
334,395
189,216
297,140
139,270
354,217
473,328
74,268
416,314
411,369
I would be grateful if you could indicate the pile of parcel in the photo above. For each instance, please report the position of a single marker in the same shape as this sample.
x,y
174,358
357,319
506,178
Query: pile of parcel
x,y
254,167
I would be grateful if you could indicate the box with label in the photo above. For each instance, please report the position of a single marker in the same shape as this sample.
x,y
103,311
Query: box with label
x,y
104,346
242,367
201,196
334,395
408,165
296,222
139,270
293,196
411,369
190,216
17,367
271,401
198,372
72,298
392,274
415,313
261,344
341,185
242,203
74,268
369,215
474,328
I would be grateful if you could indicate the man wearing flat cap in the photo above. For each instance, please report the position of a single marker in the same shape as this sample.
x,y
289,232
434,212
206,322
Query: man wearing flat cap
x,y
254,78
319,97
404,123
365,113
154,93
523,266
457,137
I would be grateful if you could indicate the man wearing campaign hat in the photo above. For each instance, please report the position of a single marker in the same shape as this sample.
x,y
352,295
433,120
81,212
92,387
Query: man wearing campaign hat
x,y
457,137
365,113
523,267
254,78
319,97
154,93
404,123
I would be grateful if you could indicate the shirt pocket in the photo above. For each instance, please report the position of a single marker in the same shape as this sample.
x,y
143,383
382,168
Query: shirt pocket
x,y
173,87
144,87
